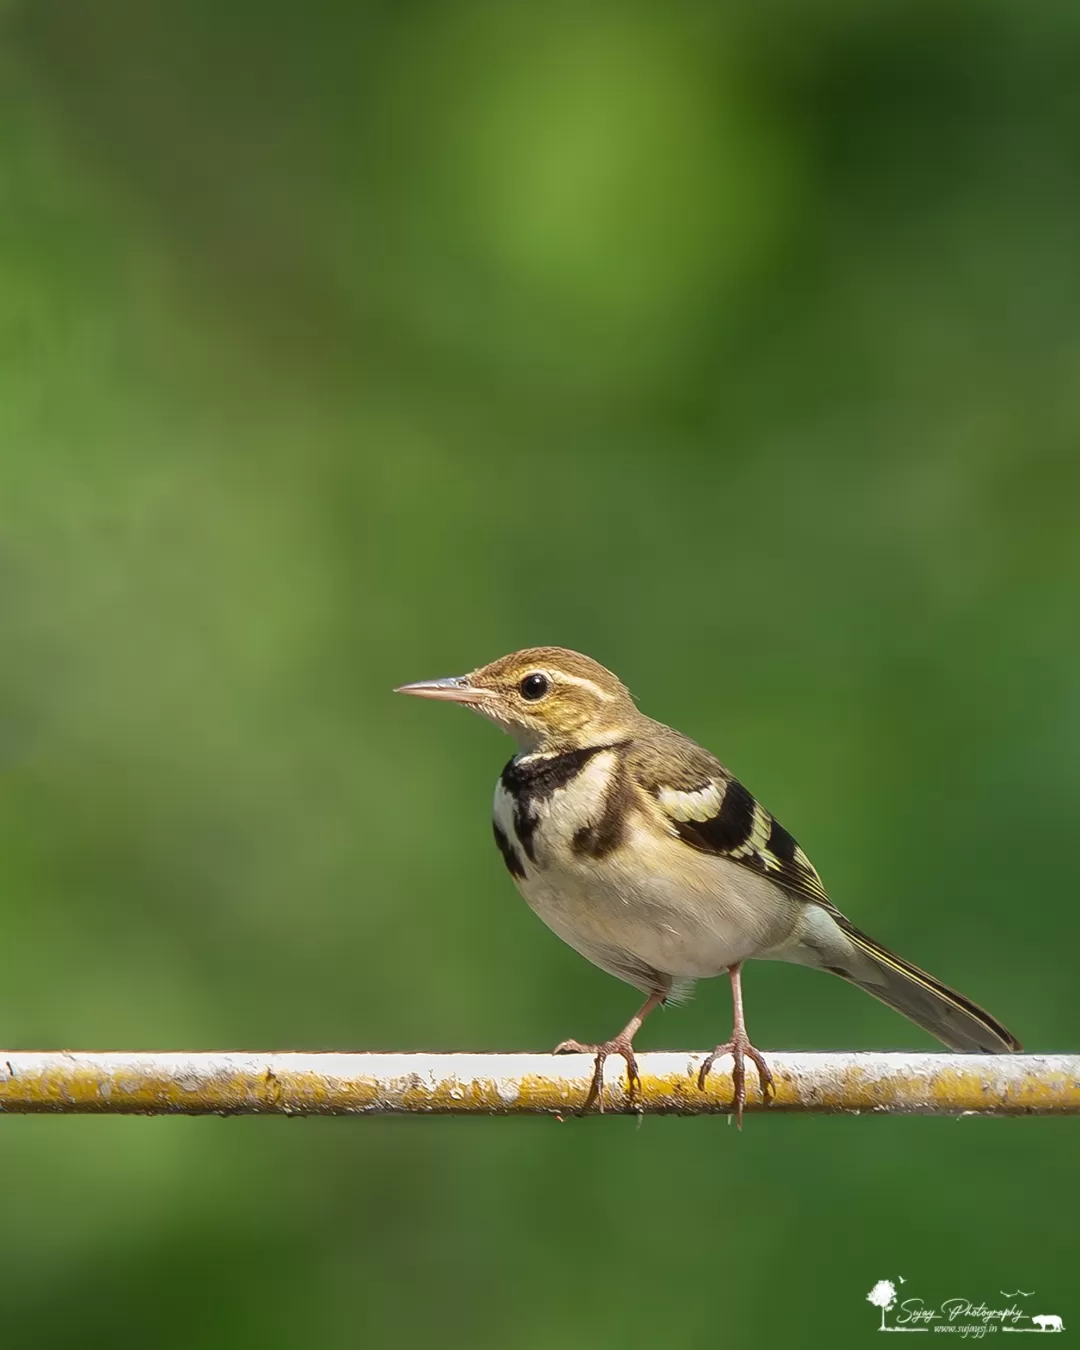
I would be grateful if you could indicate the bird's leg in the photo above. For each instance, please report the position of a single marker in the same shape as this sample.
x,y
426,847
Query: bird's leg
x,y
739,1048
622,1044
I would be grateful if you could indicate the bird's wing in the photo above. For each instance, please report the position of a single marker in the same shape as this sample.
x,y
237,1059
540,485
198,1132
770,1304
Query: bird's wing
x,y
709,810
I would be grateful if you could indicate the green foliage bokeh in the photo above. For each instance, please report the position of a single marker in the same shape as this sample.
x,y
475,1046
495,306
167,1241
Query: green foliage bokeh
x,y
734,346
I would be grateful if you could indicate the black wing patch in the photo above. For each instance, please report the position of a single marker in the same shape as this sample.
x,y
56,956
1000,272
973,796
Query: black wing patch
x,y
723,818
731,828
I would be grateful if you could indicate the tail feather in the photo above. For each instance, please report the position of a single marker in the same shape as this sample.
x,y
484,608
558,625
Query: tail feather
x,y
944,1013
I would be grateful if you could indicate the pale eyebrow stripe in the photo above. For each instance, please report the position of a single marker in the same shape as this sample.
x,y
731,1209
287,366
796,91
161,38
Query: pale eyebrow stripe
x,y
587,684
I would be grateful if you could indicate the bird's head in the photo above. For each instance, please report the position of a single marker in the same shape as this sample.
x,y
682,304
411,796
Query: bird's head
x,y
547,698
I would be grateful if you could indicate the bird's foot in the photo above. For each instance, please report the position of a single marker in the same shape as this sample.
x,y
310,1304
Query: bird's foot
x,y
620,1045
740,1049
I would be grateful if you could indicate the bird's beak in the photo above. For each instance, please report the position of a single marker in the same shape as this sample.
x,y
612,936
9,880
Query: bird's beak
x,y
455,689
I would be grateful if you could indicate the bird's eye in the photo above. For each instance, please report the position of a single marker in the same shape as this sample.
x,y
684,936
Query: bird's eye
x,y
534,686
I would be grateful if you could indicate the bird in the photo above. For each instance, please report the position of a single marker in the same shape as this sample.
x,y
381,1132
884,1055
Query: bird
x,y
638,848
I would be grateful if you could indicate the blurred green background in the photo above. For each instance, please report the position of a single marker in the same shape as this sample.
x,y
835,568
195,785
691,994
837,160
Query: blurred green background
x,y
341,346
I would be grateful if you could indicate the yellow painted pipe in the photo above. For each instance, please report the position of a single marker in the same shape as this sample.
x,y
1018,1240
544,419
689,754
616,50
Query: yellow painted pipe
x,y
295,1083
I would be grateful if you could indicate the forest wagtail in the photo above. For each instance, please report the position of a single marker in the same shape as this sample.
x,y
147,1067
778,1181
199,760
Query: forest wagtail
x,y
639,849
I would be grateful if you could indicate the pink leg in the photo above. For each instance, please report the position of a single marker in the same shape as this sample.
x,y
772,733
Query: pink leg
x,y
622,1044
739,1048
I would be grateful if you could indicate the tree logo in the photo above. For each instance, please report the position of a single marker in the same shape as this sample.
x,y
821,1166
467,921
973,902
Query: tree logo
x,y
883,1296
960,1314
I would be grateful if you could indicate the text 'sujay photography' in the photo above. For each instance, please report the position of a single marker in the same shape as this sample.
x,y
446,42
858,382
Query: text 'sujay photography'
x,y
686,393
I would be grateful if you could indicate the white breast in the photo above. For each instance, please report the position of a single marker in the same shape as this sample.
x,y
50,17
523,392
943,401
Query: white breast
x,y
559,815
653,903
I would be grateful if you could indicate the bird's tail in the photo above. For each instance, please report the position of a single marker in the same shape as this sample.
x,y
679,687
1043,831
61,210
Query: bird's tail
x,y
952,1018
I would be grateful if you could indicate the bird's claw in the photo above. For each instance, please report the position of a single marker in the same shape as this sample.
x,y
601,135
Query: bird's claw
x,y
618,1046
740,1049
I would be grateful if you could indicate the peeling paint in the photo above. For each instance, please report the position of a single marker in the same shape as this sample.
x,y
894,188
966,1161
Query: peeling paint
x,y
330,1084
